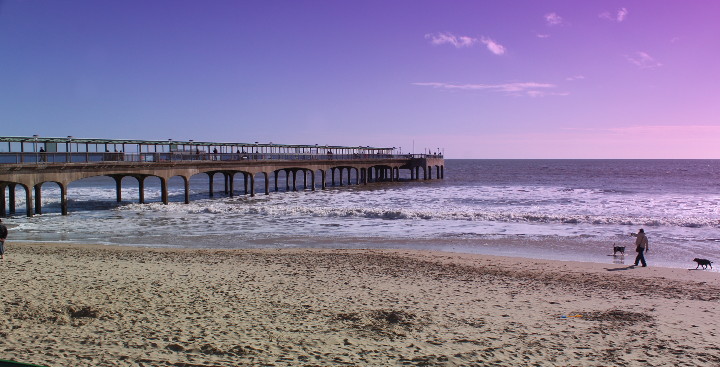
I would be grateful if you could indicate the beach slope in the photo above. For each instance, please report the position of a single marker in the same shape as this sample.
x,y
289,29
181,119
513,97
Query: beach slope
x,y
79,305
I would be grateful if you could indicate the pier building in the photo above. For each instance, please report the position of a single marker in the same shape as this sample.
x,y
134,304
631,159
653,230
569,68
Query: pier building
x,y
28,162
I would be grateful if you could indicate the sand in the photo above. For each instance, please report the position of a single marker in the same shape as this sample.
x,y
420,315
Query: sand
x,y
79,305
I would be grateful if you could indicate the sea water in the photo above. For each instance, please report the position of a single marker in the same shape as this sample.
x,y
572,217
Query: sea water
x,y
549,209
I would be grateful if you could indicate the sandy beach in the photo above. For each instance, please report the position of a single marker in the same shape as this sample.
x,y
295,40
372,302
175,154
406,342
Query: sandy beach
x,y
79,305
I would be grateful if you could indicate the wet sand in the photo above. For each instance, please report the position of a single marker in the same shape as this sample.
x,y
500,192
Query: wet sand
x,y
79,305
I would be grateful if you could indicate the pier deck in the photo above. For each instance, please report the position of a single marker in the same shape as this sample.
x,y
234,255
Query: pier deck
x,y
28,162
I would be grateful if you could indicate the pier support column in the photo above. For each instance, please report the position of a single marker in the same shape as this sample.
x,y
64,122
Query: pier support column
x,y
11,199
252,185
245,182
312,179
164,190
332,176
38,198
305,179
118,187
141,189
267,183
186,181
210,178
226,185
63,199
3,213
28,201
232,184
294,180
323,183
340,171
287,180
276,180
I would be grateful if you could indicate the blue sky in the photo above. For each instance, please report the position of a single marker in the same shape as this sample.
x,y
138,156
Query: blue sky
x,y
478,79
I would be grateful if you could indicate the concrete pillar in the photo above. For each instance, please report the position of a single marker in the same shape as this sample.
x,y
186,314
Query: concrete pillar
x,y
11,199
267,183
164,190
245,182
210,178
252,185
332,176
323,183
186,181
287,180
294,180
3,213
225,182
312,179
340,170
118,188
63,199
38,198
28,201
232,183
276,180
305,179
141,189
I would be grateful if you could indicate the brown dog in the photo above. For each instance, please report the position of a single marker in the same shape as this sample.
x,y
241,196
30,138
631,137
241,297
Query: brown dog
x,y
620,249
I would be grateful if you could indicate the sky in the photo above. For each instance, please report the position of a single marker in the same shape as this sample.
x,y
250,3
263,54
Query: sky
x,y
471,79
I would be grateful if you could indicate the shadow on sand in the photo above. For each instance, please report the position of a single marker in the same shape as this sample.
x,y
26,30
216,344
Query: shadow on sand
x,y
625,268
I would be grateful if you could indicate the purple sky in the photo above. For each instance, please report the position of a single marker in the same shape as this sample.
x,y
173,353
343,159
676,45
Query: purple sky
x,y
479,79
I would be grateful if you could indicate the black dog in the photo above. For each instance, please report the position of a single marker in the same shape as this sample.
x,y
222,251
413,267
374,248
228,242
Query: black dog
x,y
704,262
620,249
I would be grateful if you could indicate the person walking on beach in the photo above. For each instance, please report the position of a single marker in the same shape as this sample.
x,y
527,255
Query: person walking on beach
x,y
3,236
642,246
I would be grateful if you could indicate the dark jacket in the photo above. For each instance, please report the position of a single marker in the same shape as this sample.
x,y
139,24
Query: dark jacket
x,y
3,231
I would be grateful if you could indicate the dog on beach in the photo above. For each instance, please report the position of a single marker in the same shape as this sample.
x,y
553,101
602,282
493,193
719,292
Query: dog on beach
x,y
620,249
704,262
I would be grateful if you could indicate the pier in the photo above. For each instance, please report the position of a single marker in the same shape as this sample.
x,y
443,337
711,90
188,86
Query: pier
x,y
29,162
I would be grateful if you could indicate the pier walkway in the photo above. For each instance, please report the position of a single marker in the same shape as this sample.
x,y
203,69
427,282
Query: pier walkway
x,y
29,162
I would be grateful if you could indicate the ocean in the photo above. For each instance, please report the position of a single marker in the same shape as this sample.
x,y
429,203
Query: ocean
x,y
546,209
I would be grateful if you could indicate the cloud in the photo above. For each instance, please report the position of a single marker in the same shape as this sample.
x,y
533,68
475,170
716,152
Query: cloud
x,y
620,16
542,35
531,89
553,19
575,77
643,60
493,46
447,37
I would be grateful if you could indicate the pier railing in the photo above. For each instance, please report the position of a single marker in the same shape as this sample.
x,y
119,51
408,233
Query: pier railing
x,y
95,157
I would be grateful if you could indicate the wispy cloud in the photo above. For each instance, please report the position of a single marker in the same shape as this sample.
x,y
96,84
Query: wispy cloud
x,y
643,60
531,89
552,19
464,41
620,16
542,35
493,46
575,77
449,38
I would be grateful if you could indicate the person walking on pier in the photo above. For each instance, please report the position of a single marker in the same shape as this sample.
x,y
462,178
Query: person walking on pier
x,y
3,236
642,246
